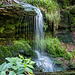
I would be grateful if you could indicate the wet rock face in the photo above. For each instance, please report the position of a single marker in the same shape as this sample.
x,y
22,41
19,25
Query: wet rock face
x,y
10,20
11,27
64,20
72,14
60,1
67,20
14,9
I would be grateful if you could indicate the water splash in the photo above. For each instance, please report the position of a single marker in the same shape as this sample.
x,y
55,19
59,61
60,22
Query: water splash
x,y
44,62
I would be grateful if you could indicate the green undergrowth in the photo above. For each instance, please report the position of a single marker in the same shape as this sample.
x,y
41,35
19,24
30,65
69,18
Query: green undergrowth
x,y
3,3
24,46
54,47
19,46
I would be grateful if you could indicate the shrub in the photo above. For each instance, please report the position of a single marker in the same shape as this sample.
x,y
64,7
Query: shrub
x,y
14,50
53,46
19,66
22,45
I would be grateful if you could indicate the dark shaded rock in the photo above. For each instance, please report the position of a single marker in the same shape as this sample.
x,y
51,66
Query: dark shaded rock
x,y
21,51
56,73
30,53
15,11
71,65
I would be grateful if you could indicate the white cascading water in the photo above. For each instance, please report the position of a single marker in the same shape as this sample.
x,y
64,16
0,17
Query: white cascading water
x,y
43,61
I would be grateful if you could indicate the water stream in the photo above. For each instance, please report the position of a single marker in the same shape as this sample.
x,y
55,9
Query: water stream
x,y
43,60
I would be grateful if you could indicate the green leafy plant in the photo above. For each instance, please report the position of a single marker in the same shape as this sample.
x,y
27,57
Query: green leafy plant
x,y
54,47
66,3
3,69
16,65
45,26
1,29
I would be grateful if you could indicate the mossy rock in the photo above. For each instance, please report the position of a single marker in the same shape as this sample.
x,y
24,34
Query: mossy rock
x,y
31,53
22,47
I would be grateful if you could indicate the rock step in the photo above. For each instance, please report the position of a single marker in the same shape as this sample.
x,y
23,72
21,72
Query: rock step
x,y
56,73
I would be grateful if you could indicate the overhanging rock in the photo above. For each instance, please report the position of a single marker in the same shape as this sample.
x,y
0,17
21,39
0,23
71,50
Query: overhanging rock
x,y
15,10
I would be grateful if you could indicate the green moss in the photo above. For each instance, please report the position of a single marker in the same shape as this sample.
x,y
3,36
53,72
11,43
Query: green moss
x,y
14,50
22,45
7,24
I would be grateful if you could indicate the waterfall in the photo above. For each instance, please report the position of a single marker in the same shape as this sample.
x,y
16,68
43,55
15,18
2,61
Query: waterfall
x,y
43,60
39,33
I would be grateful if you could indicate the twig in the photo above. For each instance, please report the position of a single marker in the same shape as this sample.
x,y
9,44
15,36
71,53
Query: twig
x,y
41,64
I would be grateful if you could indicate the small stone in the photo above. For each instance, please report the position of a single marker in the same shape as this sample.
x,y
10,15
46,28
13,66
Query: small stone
x,y
21,51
